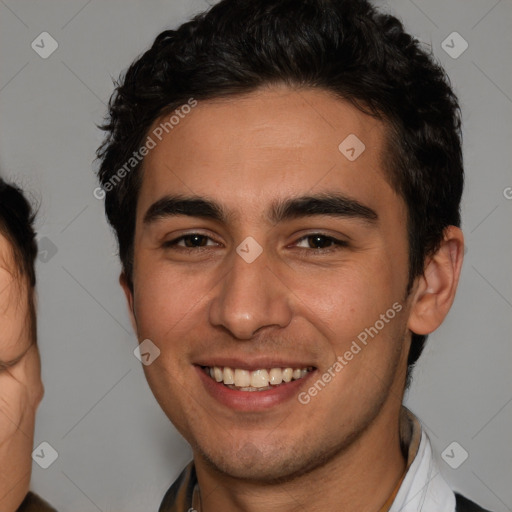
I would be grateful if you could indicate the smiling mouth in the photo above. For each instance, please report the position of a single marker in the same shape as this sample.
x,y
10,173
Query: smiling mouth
x,y
257,380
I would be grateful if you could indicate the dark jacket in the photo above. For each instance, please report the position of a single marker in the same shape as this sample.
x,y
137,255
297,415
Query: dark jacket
x,y
33,503
462,504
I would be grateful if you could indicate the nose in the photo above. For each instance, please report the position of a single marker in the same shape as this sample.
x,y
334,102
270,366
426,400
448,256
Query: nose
x,y
252,296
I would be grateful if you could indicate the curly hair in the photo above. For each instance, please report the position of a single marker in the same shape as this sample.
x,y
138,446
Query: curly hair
x,y
345,47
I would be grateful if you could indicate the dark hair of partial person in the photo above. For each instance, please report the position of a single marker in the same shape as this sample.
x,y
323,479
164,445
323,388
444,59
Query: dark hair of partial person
x,y
17,226
345,47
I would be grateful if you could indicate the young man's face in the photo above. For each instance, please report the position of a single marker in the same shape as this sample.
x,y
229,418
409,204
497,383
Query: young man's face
x,y
301,303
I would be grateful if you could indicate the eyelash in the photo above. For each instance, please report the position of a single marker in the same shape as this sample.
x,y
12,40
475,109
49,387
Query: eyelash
x,y
339,244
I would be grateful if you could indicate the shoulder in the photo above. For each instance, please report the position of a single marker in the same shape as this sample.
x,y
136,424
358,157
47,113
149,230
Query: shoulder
x,y
463,504
33,503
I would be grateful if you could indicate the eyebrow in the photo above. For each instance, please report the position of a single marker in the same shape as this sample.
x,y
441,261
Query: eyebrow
x,y
330,204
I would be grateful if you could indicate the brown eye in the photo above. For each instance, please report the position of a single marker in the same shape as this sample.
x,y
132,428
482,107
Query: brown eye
x,y
320,242
195,240
189,241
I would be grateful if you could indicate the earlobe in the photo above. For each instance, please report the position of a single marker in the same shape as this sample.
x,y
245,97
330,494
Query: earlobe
x,y
435,289
128,291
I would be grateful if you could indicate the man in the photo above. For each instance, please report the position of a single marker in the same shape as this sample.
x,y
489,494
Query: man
x,y
284,180
21,389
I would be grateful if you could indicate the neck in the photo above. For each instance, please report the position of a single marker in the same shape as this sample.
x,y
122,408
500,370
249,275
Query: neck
x,y
361,477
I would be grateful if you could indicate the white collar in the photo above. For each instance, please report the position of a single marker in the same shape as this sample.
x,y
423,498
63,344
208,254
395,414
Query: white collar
x,y
423,488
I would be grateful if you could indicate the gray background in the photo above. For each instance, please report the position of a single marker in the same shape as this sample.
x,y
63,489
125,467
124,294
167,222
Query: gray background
x,y
116,449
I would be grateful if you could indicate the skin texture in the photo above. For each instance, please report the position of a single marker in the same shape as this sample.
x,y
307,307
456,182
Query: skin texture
x,y
21,389
340,451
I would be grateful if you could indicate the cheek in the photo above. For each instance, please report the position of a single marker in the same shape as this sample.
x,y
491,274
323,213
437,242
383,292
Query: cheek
x,y
165,301
342,303
14,331
160,300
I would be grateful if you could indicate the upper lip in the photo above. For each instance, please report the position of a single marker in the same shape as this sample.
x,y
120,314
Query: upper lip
x,y
253,364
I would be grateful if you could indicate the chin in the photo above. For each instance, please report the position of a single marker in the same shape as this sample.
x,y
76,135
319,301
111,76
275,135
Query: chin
x,y
257,469
266,464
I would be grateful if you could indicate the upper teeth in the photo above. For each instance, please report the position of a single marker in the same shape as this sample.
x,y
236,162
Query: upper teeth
x,y
257,378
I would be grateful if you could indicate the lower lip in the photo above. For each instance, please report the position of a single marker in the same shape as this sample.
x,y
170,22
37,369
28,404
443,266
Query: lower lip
x,y
252,400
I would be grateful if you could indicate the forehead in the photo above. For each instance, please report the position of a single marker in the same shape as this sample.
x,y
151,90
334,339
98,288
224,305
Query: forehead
x,y
13,306
269,143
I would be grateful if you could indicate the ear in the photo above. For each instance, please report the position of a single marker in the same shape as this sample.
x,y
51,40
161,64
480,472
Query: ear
x,y
435,289
123,281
